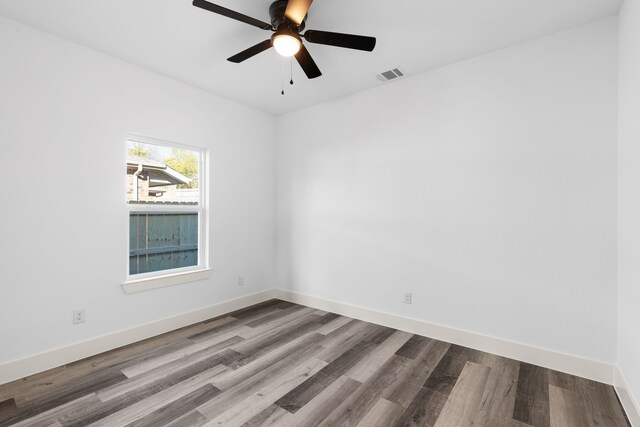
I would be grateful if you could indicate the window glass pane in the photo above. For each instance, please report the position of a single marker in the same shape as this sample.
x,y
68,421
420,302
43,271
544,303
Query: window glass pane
x,y
162,175
162,241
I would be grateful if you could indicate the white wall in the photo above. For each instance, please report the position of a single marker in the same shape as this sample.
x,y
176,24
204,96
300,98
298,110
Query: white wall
x,y
64,114
629,197
487,188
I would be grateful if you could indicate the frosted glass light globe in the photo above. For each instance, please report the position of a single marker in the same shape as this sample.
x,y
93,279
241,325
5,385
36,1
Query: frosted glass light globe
x,y
286,45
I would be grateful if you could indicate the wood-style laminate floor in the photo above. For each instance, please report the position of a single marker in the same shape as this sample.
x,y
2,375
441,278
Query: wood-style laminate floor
x,y
287,365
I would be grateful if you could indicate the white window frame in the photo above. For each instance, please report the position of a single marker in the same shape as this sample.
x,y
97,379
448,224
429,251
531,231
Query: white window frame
x,y
160,279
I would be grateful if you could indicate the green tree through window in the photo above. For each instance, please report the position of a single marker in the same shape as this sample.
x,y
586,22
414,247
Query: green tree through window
x,y
185,162
141,150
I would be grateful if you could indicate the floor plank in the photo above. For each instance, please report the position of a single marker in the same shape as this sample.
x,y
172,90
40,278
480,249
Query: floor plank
x,y
416,373
241,390
314,412
190,419
499,396
565,409
462,405
359,403
269,416
381,415
177,408
301,395
532,396
159,400
424,409
370,364
262,398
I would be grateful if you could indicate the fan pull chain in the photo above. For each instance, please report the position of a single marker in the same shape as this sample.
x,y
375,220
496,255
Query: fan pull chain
x,y
282,77
291,69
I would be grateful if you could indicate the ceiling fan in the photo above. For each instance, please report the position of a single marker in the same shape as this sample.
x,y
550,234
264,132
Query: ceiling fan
x,y
288,19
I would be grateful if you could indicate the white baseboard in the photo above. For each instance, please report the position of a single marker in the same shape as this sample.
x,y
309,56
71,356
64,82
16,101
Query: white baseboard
x,y
16,369
591,369
629,402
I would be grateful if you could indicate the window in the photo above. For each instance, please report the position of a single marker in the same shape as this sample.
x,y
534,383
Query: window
x,y
167,214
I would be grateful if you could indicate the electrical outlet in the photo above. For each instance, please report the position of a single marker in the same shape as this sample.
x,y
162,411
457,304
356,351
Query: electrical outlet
x,y
241,281
407,297
78,316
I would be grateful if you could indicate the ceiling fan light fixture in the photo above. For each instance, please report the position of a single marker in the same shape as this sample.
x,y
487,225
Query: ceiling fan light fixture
x,y
286,44
288,19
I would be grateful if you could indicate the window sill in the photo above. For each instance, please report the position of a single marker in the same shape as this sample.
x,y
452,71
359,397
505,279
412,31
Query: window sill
x,y
149,283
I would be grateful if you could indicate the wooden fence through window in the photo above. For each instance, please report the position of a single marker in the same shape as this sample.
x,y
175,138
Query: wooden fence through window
x,y
162,241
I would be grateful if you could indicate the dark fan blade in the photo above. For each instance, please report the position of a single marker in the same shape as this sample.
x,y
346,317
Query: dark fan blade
x,y
231,14
349,41
252,51
297,10
307,63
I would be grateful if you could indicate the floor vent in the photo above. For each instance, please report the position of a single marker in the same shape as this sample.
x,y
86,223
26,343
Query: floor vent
x,y
390,75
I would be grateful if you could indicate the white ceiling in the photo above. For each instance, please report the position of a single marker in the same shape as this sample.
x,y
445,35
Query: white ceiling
x,y
191,45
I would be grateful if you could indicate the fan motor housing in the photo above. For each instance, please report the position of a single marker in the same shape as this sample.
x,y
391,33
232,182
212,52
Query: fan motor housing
x,y
278,20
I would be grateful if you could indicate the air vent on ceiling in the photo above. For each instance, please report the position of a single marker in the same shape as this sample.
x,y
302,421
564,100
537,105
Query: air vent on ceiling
x,y
390,75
